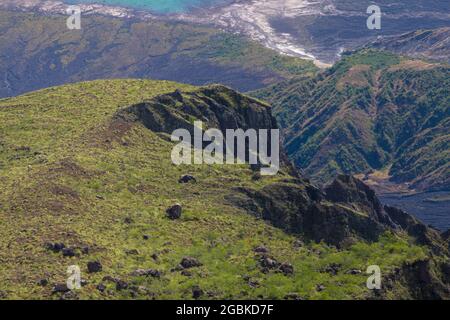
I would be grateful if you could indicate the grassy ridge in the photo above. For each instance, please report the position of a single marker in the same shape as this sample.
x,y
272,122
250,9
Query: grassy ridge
x,y
70,175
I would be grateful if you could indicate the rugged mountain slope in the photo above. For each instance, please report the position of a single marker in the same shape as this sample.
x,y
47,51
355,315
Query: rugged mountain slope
x,y
37,51
342,24
88,165
431,44
371,111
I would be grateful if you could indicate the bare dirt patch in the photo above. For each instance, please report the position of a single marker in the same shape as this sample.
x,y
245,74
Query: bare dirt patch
x,y
356,77
64,191
418,65
112,132
69,167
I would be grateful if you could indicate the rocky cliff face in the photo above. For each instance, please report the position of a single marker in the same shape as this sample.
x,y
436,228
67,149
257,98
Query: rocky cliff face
x,y
346,210
343,212
217,106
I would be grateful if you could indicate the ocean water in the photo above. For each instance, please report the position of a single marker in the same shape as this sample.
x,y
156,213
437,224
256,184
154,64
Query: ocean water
x,y
157,6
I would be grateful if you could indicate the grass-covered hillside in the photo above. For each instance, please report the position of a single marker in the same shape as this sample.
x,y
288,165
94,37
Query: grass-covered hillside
x,y
83,170
38,51
373,111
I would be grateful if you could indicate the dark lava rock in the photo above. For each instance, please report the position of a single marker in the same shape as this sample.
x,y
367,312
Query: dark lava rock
x,y
94,266
68,252
146,237
256,176
121,285
293,296
290,207
70,295
186,273
354,271
148,273
110,279
174,212
333,268
287,268
128,220
155,256
60,288
55,247
139,290
189,262
269,263
101,287
132,252
197,292
187,178
320,287
42,282
261,249
298,244
85,250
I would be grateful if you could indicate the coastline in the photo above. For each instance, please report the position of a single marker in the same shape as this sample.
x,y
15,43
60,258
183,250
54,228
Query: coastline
x,y
247,17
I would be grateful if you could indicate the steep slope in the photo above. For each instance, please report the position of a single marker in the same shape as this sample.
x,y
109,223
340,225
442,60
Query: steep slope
x,y
38,50
431,44
88,166
371,111
333,26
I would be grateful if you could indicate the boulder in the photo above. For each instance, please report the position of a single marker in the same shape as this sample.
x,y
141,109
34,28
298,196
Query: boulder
x,y
320,287
189,262
68,252
55,247
287,268
333,268
187,178
269,263
60,288
101,287
94,266
261,249
121,285
353,271
174,212
197,292
42,282
293,296
147,273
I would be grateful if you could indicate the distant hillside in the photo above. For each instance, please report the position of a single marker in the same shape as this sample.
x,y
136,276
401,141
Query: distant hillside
x,y
342,24
37,51
431,44
87,179
373,111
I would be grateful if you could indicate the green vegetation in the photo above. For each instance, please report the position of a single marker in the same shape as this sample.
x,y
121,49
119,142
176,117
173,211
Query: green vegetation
x,y
72,174
373,110
45,53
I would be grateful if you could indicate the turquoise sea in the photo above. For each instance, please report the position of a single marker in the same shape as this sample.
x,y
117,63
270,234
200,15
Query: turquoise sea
x,y
157,6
